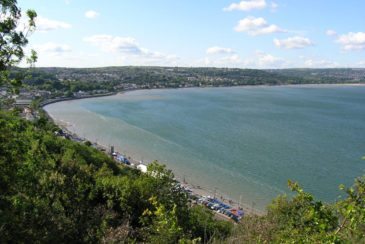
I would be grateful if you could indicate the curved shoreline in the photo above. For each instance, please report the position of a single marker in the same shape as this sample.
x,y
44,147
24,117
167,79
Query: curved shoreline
x,y
56,100
196,188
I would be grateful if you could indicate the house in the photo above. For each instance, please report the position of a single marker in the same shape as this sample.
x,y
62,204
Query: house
x,y
21,103
28,114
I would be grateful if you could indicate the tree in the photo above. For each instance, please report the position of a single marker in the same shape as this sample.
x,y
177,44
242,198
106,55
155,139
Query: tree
x,y
203,225
13,39
165,227
352,213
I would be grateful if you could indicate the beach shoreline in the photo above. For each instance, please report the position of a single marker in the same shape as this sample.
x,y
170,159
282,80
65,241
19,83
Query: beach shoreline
x,y
197,189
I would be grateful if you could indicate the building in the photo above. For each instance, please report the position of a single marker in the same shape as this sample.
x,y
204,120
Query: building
x,y
142,168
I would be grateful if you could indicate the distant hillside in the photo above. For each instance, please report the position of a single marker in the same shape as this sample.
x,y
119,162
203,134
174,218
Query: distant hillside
x,y
68,81
206,76
168,76
323,75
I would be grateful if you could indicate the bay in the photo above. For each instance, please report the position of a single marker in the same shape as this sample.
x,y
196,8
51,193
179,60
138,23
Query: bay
x,y
241,141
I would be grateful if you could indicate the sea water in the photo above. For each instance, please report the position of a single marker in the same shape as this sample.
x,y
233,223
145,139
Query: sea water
x,y
245,142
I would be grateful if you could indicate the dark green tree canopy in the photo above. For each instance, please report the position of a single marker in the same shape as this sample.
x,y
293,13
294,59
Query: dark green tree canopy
x,y
13,38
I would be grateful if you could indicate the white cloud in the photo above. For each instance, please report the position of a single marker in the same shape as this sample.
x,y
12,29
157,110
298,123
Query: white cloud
x,y
73,59
265,60
233,59
129,47
274,6
44,24
257,26
110,43
259,60
219,50
247,5
331,33
294,42
52,49
352,41
312,63
91,14
227,61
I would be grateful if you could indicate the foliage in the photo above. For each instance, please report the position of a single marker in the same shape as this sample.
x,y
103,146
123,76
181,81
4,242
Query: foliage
x,y
352,213
13,38
164,227
305,220
202,224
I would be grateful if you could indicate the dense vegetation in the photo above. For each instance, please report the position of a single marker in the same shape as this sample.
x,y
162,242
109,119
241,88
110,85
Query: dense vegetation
x,y
302,219
57,190
324,76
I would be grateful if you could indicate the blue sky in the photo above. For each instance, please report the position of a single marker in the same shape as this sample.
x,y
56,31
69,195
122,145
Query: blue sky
x,y
225,33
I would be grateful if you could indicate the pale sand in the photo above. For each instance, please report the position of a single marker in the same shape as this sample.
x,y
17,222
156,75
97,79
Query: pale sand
x,y
203,191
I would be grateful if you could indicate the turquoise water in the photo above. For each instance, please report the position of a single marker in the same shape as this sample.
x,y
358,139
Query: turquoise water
x,y
244,141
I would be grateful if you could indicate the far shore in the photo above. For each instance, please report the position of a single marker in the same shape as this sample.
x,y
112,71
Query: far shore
x,y
56,100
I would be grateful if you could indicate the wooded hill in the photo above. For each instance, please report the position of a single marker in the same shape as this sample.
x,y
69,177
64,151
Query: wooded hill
x,y
130,77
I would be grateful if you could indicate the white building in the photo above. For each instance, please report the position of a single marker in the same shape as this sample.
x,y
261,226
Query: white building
x,y
142,168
